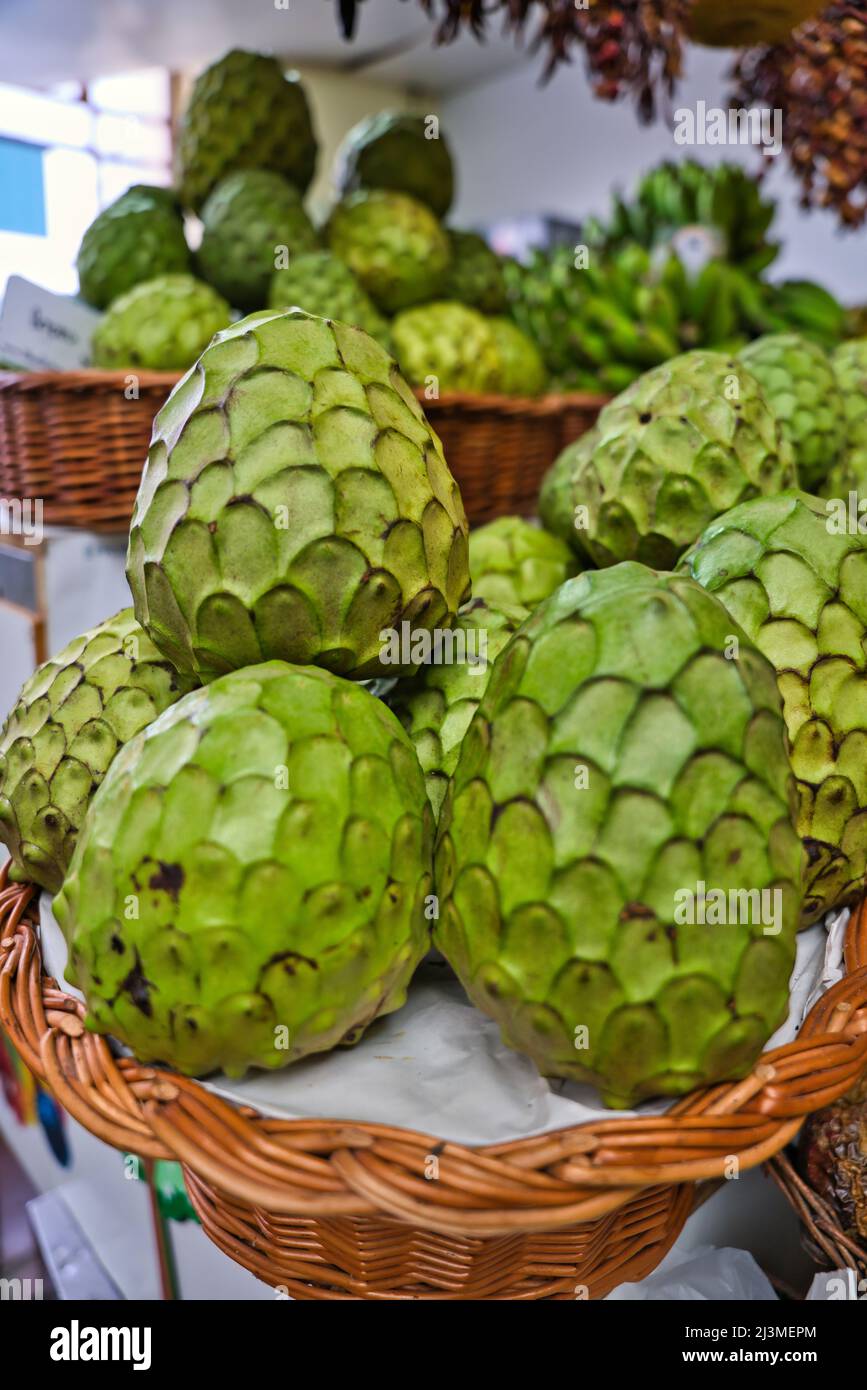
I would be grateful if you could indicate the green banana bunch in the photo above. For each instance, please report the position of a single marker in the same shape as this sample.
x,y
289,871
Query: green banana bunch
x,y
680,195
723,306
598,327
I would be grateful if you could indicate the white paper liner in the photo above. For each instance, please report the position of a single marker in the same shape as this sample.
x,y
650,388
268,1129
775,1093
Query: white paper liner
x,y
438,1064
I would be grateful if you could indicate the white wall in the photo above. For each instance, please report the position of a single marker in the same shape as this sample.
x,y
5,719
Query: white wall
x,y
521,148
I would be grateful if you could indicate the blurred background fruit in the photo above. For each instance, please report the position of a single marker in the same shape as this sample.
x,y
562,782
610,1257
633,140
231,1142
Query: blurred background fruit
x,y
139,236
243,113
816,75
399,151
321,284
475,274
161,325
521,371
247,219
447,347
679,263
393,244
674,196
742,23
801,389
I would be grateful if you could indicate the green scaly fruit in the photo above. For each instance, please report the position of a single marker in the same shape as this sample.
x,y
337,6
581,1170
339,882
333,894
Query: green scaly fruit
x,y
514,562
521,368
393,244
157,193
69,721
246,220
392,150
684,443
320,284
162,325
275,832
449,342
850,369
801,389
244,113
136,238
475,274
436,706
619,771
797,585
557,504
294,503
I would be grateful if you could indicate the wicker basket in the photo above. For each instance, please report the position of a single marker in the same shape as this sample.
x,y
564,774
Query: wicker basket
x,y
332,1209
78,441
499,447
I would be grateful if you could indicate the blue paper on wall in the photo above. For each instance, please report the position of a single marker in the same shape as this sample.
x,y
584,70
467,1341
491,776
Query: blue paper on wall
x,y
22,188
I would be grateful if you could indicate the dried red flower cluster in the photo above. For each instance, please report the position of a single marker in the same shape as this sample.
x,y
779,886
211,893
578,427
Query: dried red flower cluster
x,y
631,47
818,78
634,48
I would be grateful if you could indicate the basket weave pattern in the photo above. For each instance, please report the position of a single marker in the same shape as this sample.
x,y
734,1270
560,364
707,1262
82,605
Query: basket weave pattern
x,y
333,1209
76,441
499,448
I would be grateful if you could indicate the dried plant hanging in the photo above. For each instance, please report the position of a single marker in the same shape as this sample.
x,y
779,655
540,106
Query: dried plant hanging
x,y
818,78
631,47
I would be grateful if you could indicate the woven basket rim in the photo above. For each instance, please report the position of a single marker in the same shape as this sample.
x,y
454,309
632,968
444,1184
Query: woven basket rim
x,y
98,378
81,377
334,1167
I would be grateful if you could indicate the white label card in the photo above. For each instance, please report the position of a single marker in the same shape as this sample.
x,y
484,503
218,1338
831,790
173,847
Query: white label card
x,y
44,332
